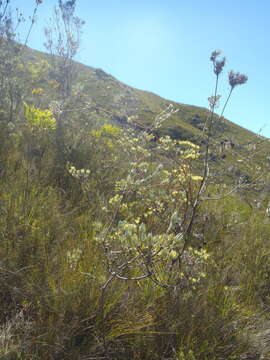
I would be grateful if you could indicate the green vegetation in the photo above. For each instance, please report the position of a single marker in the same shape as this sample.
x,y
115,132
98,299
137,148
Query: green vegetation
x,y
130,228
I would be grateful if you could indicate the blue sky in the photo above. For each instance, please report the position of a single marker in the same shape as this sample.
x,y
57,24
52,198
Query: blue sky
x,y
164,47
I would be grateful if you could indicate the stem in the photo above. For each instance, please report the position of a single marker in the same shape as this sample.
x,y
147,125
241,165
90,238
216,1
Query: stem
x,y
226,102
31,26
102,304
5,9
205,172
205,176
212,109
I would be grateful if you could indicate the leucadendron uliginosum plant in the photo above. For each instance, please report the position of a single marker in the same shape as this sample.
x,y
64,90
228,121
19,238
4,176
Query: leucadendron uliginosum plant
x,y
150,210
154,208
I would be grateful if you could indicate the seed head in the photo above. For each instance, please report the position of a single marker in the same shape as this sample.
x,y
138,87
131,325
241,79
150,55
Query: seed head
x,y
219,65
214,55
235,78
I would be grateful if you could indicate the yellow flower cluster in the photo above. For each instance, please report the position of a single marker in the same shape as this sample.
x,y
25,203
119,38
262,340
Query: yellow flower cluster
x,y
37,91
196,178
79,174
189,144
190,154
116,199
38,119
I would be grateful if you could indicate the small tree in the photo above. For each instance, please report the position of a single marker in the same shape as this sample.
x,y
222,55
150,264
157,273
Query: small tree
x,y
63,36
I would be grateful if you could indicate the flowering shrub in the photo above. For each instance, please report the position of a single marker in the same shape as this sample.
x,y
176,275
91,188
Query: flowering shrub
x,y
39,120
157,182
157,252
157,188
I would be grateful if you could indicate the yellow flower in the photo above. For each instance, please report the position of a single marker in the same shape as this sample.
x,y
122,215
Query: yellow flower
x,y
37,91
196,178
173,254
38,119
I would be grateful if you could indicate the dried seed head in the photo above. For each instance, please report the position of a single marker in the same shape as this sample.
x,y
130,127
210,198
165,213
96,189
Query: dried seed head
x,y
219,65
235,78
214,55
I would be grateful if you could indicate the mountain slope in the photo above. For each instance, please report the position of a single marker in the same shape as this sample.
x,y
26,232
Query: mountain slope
x,y
124,105
105,90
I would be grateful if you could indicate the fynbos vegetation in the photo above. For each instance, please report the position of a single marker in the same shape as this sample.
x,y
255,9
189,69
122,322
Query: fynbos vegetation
x,y
124,234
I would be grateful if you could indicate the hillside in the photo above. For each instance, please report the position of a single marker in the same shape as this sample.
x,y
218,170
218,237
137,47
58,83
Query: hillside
x,y
234,148
124,101
117,241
